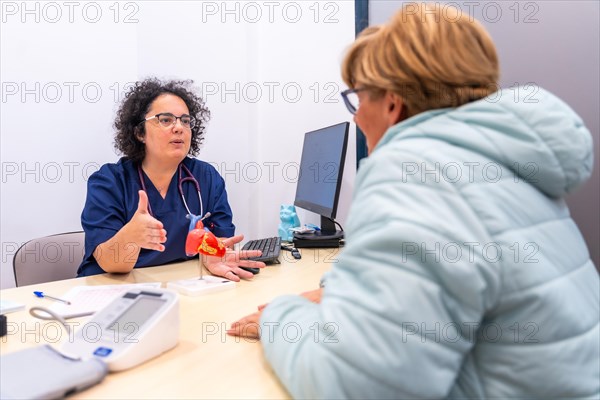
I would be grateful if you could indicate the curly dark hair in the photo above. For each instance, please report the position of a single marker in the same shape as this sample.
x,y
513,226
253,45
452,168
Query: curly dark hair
x,y
136,104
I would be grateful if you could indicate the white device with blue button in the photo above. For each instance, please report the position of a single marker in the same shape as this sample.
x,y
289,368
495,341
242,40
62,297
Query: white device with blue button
x,y
133,328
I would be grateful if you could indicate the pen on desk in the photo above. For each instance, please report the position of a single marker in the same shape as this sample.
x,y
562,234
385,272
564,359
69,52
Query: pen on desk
x,y
41,295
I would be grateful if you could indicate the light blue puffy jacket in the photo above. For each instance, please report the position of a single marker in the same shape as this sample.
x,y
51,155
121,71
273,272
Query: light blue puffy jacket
x,y
463,273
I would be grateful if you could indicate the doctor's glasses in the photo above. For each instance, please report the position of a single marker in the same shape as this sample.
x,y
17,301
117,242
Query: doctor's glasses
x,y
167,120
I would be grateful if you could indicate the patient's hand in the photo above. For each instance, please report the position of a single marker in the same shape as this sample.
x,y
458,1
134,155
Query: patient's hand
x,y
247,327
313,295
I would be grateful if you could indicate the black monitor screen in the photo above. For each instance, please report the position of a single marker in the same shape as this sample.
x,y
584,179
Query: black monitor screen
x,y
321,169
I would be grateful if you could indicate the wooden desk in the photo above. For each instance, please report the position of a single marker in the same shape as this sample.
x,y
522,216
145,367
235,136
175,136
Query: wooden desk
x,y
206,363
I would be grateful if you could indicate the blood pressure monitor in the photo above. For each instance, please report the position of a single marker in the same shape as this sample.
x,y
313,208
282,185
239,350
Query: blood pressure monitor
x,y
139,325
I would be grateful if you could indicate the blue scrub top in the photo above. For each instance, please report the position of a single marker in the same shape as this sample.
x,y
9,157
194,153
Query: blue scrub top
x,y
112,199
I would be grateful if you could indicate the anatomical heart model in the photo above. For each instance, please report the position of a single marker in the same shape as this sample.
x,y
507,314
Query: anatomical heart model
x,y
201,240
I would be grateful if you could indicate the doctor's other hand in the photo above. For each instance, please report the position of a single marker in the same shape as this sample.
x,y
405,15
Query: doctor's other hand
x,y
229,265
145,230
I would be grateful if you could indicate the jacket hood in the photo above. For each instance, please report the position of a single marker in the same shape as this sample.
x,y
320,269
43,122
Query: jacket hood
x,y
537,136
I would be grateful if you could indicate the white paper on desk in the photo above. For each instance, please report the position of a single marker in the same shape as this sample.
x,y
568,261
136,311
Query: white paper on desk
x,y
85,299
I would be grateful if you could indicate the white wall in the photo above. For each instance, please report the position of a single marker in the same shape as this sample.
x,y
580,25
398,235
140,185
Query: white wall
x,y
269,71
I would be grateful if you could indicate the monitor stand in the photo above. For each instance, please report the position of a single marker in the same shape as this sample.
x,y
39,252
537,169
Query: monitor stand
x,y
327,237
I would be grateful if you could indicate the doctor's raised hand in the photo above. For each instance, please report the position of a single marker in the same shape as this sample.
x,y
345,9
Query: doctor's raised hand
x,y
135,211
143,231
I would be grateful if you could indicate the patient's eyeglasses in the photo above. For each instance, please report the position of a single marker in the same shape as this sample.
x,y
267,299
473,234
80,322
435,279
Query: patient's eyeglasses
x,y
167,120
351,100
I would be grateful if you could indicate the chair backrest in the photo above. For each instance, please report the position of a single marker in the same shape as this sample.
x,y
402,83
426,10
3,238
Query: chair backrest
x,y
47,259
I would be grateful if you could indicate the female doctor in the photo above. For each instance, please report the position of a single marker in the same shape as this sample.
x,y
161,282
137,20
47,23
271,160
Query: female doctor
x,y
136,210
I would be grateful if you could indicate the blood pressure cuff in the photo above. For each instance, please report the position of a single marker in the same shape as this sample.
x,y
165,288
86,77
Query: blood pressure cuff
x,y
44,373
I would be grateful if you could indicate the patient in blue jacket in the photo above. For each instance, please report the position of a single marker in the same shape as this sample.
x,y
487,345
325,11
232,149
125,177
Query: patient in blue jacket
x,y
466,278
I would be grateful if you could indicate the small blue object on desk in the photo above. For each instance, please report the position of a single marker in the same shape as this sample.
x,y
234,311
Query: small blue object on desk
x,y
42,295
289,220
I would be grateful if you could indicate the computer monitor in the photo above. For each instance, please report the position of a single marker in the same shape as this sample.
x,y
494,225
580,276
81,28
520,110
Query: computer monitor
x,y
320,180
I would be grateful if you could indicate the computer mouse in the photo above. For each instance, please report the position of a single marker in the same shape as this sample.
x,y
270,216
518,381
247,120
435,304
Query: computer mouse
x,y
253,270
296,254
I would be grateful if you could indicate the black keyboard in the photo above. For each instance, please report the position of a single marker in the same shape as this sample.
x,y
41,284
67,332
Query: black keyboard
x,y
270,248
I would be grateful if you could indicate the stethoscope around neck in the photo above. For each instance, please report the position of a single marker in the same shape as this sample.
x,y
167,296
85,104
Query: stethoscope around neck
x,y
190,178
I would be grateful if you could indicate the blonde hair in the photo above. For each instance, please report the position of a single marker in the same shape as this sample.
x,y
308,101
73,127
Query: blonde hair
x,y
431,55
